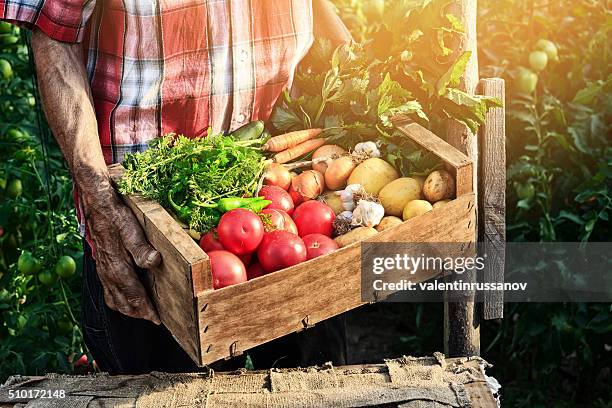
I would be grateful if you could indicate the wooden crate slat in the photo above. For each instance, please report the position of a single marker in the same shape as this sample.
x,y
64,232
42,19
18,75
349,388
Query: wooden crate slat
x,y
459,163
171,284
492,196
240,317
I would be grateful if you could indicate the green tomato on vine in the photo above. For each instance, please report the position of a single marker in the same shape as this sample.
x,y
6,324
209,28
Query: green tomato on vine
x,y
549,48
6,70
47,278
65,267
14,188
527,81
28,264
538,60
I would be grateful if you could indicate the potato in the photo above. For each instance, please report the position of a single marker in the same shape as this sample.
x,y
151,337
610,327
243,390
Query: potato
x,y
373,174
333,200
440,203
415,208
388,222
356,235
438,186
395,195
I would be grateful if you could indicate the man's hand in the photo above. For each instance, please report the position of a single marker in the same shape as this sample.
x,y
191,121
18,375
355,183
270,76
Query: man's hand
x,y
327,24
118,239
119,242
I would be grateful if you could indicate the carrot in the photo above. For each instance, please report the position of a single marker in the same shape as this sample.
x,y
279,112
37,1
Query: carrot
x,y
281,142
299,150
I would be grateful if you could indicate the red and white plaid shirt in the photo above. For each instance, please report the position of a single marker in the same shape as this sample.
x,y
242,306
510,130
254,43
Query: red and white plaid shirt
x,y
159,66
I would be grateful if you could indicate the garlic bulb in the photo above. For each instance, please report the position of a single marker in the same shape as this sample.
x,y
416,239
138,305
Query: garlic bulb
x,y
347,215
347,196
369,149
342,223
367,214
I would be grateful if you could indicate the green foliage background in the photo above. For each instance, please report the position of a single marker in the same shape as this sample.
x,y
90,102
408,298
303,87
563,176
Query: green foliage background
x,y
559,180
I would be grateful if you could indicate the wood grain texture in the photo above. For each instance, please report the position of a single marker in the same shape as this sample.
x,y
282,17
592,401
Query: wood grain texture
x,y
492,196
236,318
171,285
460,164
461,326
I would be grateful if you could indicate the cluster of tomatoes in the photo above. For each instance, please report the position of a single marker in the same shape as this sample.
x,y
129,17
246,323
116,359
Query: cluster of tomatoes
x,y
246,245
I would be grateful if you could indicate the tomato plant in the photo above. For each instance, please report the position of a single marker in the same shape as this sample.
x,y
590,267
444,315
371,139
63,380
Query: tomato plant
x,y
39,326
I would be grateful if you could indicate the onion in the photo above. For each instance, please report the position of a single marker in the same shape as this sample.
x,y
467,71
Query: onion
x,y
277,175
338,172
328,151
308,185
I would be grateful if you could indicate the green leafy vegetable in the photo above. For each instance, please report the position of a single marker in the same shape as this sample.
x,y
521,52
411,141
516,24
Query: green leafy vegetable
x,y
190,176
390,71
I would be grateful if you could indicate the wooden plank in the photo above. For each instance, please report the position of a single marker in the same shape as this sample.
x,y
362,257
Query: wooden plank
x,y
461,324
171,284
240,317
492,196
459,162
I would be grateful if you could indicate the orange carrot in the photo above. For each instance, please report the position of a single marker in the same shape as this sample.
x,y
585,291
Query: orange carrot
x,y
281,142
298,151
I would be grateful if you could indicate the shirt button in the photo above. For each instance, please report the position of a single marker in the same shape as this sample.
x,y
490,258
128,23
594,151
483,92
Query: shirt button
x,y
241,117
244,55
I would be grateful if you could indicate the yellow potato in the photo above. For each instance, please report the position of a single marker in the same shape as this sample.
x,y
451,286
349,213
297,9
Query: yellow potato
x,y
373,174
415,208
395,195
356,235
439,185
388,222
440,203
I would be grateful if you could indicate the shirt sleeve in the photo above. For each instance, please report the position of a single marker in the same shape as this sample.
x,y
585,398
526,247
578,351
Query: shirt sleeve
x,y
62,20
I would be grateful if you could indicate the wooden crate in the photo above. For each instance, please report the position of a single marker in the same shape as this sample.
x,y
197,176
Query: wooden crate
x,y
214,324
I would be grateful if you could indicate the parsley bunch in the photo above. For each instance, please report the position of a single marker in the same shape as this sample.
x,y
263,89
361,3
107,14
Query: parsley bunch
x,y
188,176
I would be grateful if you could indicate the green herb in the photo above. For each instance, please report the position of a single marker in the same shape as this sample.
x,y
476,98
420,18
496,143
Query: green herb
x,y
354,91
190,176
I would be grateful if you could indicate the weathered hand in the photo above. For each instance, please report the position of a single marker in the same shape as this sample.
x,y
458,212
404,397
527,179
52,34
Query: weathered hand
x,y
119,243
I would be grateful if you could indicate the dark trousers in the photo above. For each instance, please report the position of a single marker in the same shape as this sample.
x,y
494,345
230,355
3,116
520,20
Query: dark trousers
x,y
124,345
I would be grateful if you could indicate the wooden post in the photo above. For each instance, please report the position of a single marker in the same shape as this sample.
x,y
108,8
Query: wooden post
x,y
461,320
492,196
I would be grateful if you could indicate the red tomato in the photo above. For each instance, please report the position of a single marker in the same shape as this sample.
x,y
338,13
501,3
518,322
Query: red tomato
x,y
281,200
280,249
318,245
246,259
295,196
210,242
227,269
255,271
240,231
275,220
314,217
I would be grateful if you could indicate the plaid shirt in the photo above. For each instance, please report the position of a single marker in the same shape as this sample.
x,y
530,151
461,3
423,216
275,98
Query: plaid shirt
x,y
159,66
